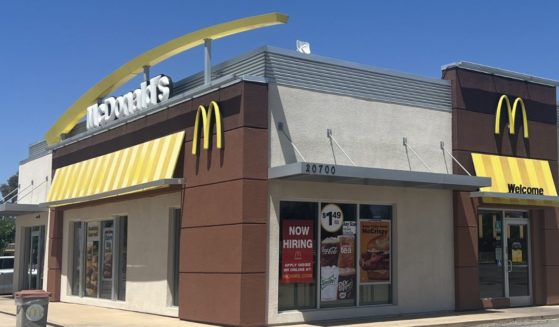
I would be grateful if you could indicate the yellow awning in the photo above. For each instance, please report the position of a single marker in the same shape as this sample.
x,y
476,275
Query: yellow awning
x,y
516,180
137,168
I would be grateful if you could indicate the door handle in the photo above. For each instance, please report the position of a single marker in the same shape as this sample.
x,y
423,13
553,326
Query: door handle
x,y
510,266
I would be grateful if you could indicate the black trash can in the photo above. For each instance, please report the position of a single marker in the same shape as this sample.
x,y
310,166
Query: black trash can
x,y
32,308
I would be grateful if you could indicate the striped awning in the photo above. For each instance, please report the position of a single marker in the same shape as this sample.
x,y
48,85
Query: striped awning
x,y
138,168
515,180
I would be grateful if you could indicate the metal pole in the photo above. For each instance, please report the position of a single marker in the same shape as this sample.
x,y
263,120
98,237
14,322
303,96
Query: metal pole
x,y
146,73
207,61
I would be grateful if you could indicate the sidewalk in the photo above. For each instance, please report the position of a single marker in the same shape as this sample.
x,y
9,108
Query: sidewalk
x,y
66,314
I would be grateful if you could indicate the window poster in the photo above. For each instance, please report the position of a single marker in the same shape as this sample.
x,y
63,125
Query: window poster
x,y
337,256
297,251
375,251
108,253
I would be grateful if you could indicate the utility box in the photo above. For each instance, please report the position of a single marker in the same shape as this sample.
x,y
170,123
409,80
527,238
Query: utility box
x,y
32,308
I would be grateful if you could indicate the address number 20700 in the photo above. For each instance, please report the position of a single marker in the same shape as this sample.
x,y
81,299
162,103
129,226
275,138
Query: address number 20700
x,y
320,169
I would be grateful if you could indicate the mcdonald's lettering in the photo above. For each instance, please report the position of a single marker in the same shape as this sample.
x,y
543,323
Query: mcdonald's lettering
x,y
512,115
206,115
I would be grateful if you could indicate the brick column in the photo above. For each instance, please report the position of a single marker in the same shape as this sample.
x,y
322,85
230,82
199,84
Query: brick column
x,y
225,212
54,253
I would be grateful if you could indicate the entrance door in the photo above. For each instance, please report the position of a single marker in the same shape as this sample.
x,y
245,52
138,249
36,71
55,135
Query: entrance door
x,y
504,256
33,263
517,261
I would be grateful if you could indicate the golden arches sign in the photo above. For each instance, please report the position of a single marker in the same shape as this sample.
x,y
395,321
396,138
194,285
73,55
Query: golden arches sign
x,y
206,125
512,115
78,109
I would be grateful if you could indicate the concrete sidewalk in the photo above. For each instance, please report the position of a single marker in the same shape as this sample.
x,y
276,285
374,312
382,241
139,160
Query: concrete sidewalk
x,y
66,314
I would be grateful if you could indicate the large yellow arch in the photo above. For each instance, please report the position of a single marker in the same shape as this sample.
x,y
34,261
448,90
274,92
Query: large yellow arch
x,y
78,109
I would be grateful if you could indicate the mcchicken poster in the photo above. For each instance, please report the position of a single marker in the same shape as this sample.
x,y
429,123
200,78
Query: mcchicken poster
x,y
374,260
297,251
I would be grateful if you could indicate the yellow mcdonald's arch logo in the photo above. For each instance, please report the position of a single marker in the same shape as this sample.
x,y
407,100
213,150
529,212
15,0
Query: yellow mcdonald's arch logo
x,y
78,110
206,115
512,115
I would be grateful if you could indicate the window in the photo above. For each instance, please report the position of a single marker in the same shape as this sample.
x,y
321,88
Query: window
x,y
175,234
334,255
7,263
99,259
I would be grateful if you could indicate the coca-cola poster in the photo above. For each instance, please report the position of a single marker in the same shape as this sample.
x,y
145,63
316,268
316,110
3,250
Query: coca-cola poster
x,y
297,251
374,259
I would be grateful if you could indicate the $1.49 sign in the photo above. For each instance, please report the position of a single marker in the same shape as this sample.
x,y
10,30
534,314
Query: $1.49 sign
x,y
331,218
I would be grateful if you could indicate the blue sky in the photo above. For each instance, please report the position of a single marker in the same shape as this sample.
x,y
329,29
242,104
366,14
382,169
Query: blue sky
x,y
54,51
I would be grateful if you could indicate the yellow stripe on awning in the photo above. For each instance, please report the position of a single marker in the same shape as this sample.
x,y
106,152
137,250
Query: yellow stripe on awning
x,y
137,165
521,177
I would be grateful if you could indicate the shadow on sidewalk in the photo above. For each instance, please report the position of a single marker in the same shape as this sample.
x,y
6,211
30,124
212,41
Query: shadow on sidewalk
x,y
400,317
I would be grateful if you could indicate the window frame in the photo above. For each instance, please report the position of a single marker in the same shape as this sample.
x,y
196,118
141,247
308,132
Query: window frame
x,y
117,225
393,249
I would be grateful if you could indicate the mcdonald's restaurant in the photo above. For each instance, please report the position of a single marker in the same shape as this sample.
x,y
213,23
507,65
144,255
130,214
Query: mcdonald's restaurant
x,y
282,187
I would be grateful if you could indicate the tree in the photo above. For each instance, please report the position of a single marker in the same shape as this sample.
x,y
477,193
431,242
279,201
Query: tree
x,y
7,223
7,188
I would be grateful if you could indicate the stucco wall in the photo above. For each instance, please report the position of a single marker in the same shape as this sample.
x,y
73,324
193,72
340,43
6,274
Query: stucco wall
x,y
35,180
148,258
23,221
423,266
370,132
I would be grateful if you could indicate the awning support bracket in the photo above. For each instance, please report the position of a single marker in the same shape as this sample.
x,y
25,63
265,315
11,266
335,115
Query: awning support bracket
x,y
331,137
409,147
280,128
453,158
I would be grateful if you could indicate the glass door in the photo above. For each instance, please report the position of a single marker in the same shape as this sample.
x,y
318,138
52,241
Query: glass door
x,y
34,258
517,263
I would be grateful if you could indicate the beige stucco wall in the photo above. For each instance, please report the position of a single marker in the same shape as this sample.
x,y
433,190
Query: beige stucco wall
x,y
371,132
148,258
22,222
35,180
423,258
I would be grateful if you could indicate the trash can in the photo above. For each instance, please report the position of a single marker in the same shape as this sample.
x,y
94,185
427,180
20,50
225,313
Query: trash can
x,y
32,308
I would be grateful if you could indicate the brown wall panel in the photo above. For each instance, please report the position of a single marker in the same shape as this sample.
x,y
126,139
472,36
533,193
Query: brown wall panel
x,y
53,284
551,217
551,237
464,210
538,254
235,110
223,299
237,248
244,155
210,298
466,246
467,288
552,286
253,301
480,92
475,132
54,253
241,201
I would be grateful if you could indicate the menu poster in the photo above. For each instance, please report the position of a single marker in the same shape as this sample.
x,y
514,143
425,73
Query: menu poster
x,y
297,251
374,259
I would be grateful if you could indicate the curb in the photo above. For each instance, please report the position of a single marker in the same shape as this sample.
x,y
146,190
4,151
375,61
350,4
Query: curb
x,y
497,322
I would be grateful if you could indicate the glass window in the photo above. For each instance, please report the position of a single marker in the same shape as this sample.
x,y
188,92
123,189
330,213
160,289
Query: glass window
x,y
6,263
337,254
122,223
96,271
175,249
375,257
297,279
326,244
490,245
77,259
